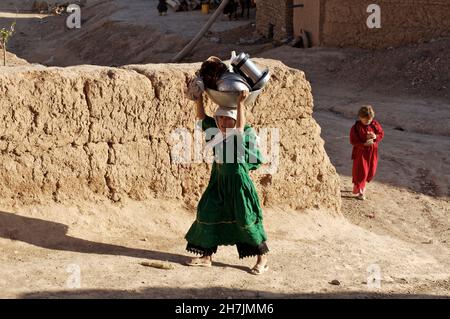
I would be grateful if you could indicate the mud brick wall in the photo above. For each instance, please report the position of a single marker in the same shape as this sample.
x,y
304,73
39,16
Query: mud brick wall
x,y
343,22
90,132
278,13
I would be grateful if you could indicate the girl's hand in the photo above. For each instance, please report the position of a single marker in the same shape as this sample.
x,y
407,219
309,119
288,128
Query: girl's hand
x,y
243,96
371,135
369,142
194,89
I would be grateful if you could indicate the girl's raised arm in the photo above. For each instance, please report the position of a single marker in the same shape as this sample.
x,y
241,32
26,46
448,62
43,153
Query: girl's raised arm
x,y
241,119
201,114
194,92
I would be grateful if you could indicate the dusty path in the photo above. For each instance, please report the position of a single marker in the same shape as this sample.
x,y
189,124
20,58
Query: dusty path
x,y
305,256
185,24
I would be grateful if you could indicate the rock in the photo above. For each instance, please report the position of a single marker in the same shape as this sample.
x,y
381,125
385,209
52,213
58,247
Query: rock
x,y
335,282
215,40
115,197
58,9
70,123
388,279
158,265
252,40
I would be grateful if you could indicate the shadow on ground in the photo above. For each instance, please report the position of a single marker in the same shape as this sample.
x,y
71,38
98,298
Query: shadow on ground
x,y
215,292
51,235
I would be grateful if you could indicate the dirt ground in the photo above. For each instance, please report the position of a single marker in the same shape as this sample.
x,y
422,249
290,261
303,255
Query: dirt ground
x,y
403,229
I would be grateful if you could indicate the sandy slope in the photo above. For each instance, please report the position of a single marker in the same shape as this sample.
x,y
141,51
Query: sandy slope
x,y
116,32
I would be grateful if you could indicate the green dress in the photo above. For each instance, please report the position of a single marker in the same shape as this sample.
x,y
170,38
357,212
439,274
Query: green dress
x,y
229,212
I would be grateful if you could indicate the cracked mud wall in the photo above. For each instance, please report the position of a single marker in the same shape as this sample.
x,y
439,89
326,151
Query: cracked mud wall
x,y
94,133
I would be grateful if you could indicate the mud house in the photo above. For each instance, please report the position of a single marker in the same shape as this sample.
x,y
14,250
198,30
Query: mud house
x,y
343,23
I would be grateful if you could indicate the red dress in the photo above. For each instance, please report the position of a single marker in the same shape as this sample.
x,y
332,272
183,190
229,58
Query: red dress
x,y
365,158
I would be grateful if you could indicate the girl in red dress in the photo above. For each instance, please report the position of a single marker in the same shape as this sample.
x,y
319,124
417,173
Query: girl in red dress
x,y
365,137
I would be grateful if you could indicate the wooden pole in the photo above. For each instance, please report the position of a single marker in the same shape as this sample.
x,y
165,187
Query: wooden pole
x,y
188,48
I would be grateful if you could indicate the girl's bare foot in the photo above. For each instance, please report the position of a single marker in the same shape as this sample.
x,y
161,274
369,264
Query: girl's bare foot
x,y
205,261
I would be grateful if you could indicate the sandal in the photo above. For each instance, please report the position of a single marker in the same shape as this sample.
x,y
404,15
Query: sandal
x,y
198,262
259,270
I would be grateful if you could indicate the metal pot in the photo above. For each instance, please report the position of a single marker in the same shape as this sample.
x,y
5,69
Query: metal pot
x,y
262,81
245,67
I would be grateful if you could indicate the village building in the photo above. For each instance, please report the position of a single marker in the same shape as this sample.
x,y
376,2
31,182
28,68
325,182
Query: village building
x,y
344,23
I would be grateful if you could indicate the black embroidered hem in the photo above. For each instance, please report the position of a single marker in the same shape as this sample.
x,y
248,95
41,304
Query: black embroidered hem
x,y
246,250
200,250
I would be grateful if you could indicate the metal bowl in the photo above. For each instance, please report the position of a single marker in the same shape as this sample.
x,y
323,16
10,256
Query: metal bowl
x,y
232,82
229,99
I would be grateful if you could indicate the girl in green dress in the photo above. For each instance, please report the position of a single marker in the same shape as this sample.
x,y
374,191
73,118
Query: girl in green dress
x,y
229,212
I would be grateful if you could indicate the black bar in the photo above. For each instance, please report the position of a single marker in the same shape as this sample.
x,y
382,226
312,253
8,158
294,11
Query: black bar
x,y
223,308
